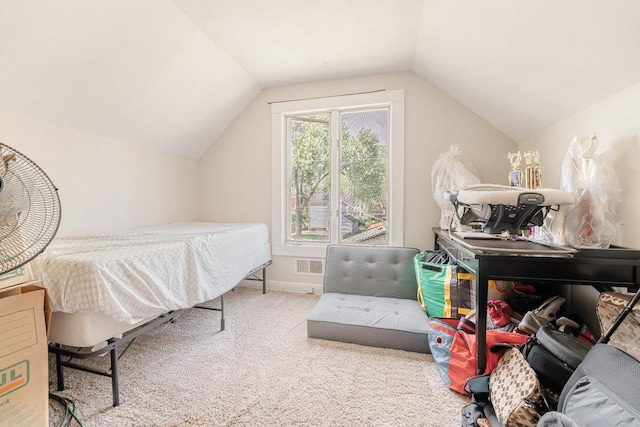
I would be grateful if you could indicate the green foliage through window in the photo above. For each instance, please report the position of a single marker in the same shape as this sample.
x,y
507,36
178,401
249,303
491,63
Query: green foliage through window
x,y
364,171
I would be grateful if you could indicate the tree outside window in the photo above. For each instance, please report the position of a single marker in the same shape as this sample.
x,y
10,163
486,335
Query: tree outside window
x,y
363,153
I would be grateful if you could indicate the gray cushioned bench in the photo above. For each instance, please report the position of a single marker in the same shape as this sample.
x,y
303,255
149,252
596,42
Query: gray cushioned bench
x,y
369,298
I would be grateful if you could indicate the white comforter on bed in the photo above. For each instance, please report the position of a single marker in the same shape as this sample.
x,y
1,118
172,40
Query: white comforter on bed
x,y
138,274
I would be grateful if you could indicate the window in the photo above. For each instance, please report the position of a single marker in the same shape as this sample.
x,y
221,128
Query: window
x,y
338,172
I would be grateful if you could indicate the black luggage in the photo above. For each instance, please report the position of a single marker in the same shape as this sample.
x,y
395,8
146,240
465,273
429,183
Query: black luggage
x,y
554,356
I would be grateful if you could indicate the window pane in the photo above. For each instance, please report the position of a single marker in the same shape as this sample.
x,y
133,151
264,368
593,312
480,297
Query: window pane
x,y
364,162
309,212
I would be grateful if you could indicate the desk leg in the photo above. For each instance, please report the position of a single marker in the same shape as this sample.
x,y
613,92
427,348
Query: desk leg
x,y
482,286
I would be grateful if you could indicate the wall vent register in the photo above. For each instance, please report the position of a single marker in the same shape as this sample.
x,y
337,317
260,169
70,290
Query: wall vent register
x,y
309,266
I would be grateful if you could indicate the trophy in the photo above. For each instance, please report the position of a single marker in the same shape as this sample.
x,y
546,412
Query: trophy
x,y
537,173
529,172
515,176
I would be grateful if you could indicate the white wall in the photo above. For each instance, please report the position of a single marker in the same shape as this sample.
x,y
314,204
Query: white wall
x,y
105,184
236,170
616,122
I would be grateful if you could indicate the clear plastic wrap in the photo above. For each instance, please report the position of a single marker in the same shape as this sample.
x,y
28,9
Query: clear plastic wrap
x,y
593,180
449,173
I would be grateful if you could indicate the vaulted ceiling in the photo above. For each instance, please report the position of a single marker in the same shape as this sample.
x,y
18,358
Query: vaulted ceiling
x,y
174,74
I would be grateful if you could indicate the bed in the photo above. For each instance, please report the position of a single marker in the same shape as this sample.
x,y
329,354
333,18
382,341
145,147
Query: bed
x,y
107,290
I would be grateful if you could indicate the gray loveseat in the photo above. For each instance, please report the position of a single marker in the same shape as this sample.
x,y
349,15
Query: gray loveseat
x,y
369,298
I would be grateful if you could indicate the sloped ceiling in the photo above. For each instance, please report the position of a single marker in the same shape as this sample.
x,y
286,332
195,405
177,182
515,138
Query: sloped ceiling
x,y
139,71
174,74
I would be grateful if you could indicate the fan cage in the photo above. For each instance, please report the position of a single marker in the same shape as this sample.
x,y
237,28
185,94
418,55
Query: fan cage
x,y
29,210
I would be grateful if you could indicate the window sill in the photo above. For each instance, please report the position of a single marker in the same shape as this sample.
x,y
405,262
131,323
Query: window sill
x,y
302,250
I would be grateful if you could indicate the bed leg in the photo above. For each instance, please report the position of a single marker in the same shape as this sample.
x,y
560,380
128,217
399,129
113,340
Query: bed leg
x,y
59,370
264,280
222,312
114,375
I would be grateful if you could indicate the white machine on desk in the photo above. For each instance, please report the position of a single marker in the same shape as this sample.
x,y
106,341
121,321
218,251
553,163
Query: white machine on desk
x,y
500,209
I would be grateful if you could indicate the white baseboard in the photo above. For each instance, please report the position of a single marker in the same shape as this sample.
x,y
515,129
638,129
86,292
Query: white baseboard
x,y
304,288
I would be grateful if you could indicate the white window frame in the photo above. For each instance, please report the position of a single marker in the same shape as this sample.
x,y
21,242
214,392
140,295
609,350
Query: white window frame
x,y
394,99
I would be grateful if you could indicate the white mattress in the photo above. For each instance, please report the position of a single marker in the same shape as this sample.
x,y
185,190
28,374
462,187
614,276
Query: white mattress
x,y
127,278
86,329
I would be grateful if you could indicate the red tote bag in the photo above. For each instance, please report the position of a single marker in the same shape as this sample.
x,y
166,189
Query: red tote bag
x,y
461,363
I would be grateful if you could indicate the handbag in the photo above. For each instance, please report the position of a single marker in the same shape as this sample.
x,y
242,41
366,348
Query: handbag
x,y
454,346
627,335
515,392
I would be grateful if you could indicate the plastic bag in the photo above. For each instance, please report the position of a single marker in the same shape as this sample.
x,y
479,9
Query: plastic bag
x,y
450,172
592,179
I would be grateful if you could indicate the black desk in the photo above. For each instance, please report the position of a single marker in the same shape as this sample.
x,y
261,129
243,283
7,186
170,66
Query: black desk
x,y
531,262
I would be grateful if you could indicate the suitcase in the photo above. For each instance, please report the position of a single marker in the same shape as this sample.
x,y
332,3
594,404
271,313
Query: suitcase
x,y
554,356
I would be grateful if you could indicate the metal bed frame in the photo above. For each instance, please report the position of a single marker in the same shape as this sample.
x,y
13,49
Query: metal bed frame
x,y
128,338
253,276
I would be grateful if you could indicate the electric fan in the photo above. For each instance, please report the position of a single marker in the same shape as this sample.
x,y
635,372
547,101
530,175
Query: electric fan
x,y
29,209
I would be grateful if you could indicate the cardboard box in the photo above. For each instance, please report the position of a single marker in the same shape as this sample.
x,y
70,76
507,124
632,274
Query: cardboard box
x,y
16,277
14,245
24,375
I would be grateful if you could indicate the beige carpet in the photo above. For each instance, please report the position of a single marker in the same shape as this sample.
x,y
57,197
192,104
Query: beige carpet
x,y
261,371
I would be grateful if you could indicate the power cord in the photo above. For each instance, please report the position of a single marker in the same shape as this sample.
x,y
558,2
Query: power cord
x,y
69,410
